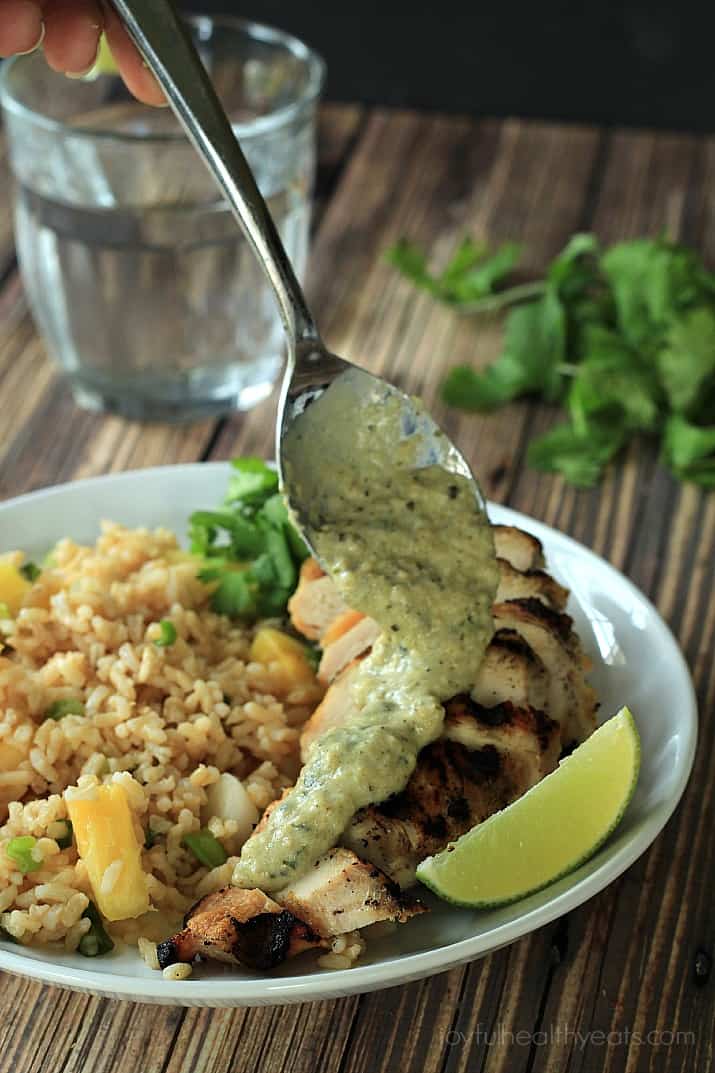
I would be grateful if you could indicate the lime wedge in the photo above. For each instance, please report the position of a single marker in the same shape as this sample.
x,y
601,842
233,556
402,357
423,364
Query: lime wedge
x,y
105,64
556,826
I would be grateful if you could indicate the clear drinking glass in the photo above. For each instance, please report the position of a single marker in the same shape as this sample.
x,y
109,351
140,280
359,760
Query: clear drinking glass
x,y
137,274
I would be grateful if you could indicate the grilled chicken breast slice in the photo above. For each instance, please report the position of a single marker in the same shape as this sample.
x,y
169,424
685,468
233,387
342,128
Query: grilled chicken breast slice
x,y
346,639
450,790
455,786
316,602
520,584
334,710
521,549
510,671
241,927
341,893
570,699
528,739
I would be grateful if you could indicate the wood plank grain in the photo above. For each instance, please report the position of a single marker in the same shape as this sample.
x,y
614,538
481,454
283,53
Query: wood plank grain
x,y
211,1042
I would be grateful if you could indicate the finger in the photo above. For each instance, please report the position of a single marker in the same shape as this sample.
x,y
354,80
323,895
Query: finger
x,y
72,29
21,26
139,79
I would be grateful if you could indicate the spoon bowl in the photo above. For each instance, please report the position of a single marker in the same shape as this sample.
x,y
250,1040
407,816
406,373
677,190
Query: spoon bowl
x,y
326,426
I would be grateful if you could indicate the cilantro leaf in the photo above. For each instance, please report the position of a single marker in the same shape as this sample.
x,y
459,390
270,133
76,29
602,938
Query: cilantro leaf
x,y
687,362
639,275
534,342
652,280
579,456
236,594
689,451
277,513
612,383
470,275
411,262
277,548
473,272
574,265
471,390
251,482
244,541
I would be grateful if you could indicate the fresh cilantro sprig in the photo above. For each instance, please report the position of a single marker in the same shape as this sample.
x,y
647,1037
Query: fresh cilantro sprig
x,y
622,338
251,551
468,281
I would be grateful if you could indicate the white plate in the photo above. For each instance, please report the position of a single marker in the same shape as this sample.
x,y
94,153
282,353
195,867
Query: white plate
x,y
636,660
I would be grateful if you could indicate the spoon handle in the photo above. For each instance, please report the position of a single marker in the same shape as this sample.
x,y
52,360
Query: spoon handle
x,y
167,48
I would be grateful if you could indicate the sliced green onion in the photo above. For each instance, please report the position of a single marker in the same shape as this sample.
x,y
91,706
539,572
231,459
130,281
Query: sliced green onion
x,y
150,838
89,945
95,942
30,571
168,634
206,848
20,850
65,841
68,706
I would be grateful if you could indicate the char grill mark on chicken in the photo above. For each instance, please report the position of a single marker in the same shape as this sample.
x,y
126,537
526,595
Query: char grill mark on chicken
x,y
242,927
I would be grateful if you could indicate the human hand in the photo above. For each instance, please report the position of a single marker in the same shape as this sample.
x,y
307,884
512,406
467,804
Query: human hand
x,y
68,31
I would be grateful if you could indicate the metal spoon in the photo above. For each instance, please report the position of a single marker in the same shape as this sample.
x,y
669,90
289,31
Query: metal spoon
x,y
313,375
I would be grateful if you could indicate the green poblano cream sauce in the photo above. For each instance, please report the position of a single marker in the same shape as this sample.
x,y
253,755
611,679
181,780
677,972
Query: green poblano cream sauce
x,y
409,545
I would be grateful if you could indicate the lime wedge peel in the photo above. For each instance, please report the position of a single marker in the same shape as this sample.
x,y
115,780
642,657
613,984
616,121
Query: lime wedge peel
x,y
549,831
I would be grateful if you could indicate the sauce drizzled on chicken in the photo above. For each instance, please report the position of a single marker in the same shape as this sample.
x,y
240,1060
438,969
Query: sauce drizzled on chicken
x,y
407,543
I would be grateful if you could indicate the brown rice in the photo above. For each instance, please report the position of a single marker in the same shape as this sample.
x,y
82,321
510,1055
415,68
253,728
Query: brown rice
x,y
163,721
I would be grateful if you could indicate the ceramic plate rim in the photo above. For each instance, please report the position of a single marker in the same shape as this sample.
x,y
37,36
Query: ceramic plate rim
x,y
233,991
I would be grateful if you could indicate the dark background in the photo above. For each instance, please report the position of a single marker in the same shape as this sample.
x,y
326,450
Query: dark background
x,y
629,63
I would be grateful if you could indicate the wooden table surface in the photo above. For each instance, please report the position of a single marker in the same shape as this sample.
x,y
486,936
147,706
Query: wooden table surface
x,y
624,982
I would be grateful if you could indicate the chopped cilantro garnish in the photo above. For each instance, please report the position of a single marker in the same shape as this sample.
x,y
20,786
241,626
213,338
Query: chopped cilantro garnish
x,y
30,571
251,551
251,482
